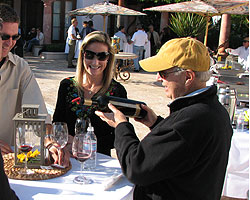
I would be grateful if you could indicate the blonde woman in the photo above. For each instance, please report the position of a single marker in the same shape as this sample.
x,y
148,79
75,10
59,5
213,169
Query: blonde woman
x,y
94,76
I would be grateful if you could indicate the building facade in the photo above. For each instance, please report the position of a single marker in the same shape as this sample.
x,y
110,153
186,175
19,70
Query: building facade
x,y
52,17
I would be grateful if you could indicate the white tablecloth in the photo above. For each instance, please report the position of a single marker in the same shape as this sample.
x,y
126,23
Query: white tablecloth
x,y
77,48
129,49
237,177
63,187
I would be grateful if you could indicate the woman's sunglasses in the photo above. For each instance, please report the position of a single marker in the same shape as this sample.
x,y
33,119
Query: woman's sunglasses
x,y
101,56
7,37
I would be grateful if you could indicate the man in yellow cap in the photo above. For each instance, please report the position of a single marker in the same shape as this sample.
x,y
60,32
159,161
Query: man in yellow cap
x,y
185,155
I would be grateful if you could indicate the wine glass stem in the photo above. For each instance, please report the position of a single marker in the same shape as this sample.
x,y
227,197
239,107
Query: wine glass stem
x,y
26,161
82,167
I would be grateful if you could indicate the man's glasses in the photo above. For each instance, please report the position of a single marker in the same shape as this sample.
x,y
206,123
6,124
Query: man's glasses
x,y
101,56
163,74
245,41
7,37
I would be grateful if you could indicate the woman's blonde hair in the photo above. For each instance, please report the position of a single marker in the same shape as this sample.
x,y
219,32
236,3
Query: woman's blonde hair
x,y
101,37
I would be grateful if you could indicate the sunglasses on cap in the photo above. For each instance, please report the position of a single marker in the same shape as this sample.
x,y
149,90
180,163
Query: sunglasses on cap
x,y
7,37
101,56
163,74
245,41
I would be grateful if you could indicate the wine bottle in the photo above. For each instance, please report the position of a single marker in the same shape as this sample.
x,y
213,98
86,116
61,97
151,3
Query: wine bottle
x,y
128,107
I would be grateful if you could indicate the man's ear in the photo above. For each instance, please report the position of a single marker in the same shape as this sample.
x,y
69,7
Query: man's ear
x,y
190,76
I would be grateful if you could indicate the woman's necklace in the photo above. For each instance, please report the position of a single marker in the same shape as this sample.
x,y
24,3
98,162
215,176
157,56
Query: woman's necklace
x,y
93,91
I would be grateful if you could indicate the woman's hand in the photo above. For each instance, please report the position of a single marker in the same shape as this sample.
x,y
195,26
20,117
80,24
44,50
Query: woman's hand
x,y
114,118
149,119
5,148
59,156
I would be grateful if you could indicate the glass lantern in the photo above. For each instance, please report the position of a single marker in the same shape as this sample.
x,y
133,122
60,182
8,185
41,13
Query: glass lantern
x,y
29,131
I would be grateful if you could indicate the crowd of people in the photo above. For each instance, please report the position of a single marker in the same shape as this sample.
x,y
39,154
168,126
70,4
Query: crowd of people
x,y
184,156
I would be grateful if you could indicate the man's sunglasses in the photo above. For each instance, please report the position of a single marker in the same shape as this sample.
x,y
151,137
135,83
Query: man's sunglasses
x,y
100,56
163,74
7,37
245,41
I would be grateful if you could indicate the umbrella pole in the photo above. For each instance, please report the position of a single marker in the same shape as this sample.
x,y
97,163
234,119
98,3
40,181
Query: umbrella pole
x,y
104,21
205,39
206,33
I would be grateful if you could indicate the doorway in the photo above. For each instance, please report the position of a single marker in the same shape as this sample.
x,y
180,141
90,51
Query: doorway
x,y
31,15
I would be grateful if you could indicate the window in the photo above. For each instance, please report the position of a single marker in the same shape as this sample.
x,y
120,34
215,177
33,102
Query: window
x,y
56,20
68,7
61,19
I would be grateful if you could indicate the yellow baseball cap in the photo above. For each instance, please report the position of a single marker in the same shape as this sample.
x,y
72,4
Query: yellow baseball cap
x,y
186,53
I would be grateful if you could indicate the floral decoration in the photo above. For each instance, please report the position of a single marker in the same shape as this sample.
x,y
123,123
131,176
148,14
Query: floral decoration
x,y
30,155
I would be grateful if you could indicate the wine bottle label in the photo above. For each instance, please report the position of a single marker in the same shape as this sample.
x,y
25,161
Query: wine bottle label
x,y
87,102
135,106
137,110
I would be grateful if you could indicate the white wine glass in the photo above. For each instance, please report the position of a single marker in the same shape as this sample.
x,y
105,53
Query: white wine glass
x,y
25,141
82,150
60,134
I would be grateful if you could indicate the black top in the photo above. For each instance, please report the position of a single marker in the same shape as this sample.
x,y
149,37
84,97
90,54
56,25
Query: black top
x,y
68,111
184,156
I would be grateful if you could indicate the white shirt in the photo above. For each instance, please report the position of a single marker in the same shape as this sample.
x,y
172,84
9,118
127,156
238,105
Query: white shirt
x,y
242,53
123,39
17,86
140,38
40,38
71,31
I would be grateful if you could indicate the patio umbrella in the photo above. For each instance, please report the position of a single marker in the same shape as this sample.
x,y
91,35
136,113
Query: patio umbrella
x,y
104,9
207,8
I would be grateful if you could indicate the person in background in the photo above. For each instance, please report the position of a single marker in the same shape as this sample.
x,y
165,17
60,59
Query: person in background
x,y
122,36
84,30
94,77
185,155
72,35
91,27
31,34
5,190
167,34
242,52
139,39
18,86
38,40
154,39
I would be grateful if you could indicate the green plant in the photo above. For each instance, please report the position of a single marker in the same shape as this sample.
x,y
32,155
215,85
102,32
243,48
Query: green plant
x,y
188,24
239,30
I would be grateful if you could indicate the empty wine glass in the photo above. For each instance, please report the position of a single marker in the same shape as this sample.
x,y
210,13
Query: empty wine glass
x,y
60,134
82,150
25,141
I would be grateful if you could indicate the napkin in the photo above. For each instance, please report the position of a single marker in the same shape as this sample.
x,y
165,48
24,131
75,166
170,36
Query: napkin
x,y
112,181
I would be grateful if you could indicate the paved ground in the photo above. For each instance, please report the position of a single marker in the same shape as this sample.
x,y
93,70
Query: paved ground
x,y
141,86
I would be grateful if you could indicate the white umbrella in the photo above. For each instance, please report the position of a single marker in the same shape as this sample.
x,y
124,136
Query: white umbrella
x,y
206,8
104,9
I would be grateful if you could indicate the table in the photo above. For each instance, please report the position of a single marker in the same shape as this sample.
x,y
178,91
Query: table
x,y
237,176
129,48
128,62
64,188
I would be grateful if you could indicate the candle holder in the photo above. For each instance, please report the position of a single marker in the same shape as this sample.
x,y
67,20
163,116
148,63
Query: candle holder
x,y
28,123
